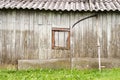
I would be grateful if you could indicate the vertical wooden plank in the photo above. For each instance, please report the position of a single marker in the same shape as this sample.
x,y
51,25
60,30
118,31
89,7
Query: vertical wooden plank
x,y
26,38
77,36
82,30
14,35
36,34
117,36
86,22
39,25
114,37
31,35
19,51
41,43
0,37
72,20
4,55
95,24
53,39
49,35
0,49
108,27
21,21
8,36
118,33
104,37
100,29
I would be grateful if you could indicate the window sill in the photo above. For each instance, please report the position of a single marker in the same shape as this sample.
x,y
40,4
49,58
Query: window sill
x,y
60,48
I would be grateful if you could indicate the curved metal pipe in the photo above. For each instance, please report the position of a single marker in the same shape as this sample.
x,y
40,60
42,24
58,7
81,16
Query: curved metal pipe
x,y
83,19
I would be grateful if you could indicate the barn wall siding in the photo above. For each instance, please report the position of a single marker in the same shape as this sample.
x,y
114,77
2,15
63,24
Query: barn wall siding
x,y
26,34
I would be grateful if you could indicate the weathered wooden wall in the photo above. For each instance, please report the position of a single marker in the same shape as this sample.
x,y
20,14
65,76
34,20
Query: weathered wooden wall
x,y
107,27
26,34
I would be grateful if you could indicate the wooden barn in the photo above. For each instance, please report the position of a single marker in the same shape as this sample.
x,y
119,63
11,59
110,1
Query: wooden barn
x,y
60,33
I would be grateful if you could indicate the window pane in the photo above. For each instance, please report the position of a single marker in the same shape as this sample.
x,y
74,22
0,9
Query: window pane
x,y
66,37
56,38
61,39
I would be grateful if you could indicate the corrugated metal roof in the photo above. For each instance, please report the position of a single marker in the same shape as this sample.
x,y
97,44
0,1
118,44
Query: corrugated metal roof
x,y
68,5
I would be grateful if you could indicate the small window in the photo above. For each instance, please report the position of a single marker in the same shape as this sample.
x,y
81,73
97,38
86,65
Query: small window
x,y
60,38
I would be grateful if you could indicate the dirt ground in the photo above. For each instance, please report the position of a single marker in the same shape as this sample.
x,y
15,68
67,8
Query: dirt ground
x,y
8,66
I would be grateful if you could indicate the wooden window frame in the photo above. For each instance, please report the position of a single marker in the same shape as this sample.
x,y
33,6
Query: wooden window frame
x,y
53,38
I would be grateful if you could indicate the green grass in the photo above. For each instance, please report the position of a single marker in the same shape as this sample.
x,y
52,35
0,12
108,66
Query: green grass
x,y
50,74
